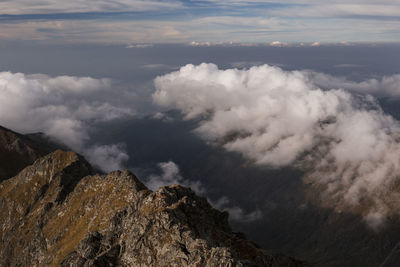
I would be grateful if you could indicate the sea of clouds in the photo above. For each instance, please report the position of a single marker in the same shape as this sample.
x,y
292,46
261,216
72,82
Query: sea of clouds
x,y
330,127
64,108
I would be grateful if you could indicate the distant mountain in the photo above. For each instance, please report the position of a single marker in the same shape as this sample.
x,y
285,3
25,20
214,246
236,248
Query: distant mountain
x,y
58,212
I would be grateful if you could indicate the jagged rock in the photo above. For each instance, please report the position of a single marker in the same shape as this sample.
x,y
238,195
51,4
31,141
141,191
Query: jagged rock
x,y
56,212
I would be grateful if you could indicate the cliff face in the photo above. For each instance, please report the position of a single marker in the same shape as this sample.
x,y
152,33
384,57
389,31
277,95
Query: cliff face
x,y
57,212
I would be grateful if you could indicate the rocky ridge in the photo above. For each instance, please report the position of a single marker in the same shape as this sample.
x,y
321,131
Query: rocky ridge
x,y
58,212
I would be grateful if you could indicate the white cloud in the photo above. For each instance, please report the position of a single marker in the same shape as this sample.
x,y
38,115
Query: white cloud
x,y
170,175
193,43
139,46
347,146
107,157
236,213
63,108
163,117
278,44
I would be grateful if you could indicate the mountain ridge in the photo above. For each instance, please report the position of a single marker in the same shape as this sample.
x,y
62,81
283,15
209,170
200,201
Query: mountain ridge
x,y
57,211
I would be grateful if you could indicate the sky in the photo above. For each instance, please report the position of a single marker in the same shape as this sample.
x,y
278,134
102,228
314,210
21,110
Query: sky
x,y
200,22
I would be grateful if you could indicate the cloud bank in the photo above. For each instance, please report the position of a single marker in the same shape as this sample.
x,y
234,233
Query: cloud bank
x,y
62,107
347,146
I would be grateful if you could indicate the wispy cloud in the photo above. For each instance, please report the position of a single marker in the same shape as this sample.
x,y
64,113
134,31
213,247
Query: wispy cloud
x,y
124,21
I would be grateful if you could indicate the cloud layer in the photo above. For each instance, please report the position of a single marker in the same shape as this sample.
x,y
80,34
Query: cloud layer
x,y
343,141
63,108
200,22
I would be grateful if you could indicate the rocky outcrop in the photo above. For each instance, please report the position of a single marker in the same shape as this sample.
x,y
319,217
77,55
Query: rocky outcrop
x,y
57,212
170,227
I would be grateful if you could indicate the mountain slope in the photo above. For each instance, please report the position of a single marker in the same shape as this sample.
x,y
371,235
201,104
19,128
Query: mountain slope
x,y
57,212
